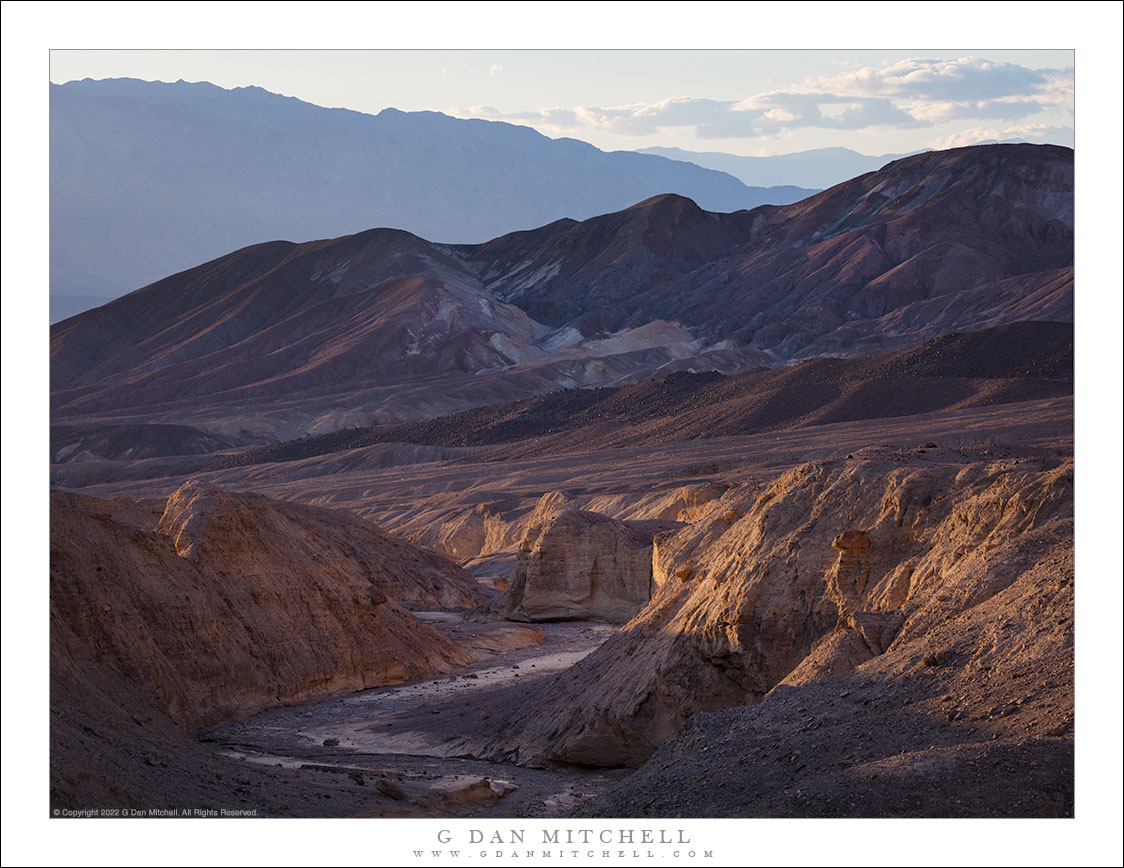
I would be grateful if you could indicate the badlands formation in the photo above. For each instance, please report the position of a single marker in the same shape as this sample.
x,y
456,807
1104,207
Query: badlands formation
x,y
886,632
376,527
785,583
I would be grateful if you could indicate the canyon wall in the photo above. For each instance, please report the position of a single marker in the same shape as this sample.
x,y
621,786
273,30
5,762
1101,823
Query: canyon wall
x,y
972,718
230,603
788,582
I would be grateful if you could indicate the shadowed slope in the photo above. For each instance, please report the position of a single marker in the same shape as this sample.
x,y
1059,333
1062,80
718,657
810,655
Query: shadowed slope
x,y
780,277
235,602
1011,363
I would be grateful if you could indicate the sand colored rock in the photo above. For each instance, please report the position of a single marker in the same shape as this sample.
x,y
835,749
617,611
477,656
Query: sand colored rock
x,y
201,519
769,599
973,718
472,533
466,790
237,602
692,500
483,529
580,564
851,540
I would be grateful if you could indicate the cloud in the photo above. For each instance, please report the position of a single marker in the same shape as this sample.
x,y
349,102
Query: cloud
x,y
1026,132
770,113
712,118
965,78
920,92
1006,109
914,93
558,118
644,118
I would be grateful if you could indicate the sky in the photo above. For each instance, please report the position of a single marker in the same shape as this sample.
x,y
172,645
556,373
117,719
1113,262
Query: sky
x,y
750,102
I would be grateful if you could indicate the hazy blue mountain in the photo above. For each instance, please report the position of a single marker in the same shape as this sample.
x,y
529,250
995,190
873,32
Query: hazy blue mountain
x,y
819,168
151,178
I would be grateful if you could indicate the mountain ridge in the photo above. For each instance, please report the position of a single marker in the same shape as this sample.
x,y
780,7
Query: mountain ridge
x,y
280,167
385,326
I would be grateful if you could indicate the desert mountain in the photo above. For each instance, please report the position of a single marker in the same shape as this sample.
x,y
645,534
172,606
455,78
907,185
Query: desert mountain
x,y
281,318
385,326
587,275
132,199
813,277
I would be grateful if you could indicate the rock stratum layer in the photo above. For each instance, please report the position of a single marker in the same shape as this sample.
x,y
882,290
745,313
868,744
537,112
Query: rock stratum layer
x,y
835,566
230,603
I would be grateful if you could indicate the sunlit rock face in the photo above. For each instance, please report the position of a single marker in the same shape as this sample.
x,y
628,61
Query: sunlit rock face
x,y
580,564
775,583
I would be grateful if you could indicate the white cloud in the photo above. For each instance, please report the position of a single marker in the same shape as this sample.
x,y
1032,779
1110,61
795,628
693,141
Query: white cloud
x,y
914,93
1025,132
972,78
779,115
769,113
999,109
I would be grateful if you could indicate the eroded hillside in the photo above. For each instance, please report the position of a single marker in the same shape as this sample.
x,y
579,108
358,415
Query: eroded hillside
x,y
229,603
793,580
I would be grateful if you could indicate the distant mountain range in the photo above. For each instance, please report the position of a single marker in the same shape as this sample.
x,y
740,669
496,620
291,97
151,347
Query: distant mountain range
x,y
863,260
820,168
151,178
281,339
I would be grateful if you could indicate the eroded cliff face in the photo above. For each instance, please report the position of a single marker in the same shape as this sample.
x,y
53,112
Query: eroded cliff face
x,y
495,532
233,603
973,718
205,522
815,573
579,564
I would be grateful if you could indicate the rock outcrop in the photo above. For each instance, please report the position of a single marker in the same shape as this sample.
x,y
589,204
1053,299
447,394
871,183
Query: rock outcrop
x,y
201,518
973,718
236,602
824,569
468,534
576,564
582,565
